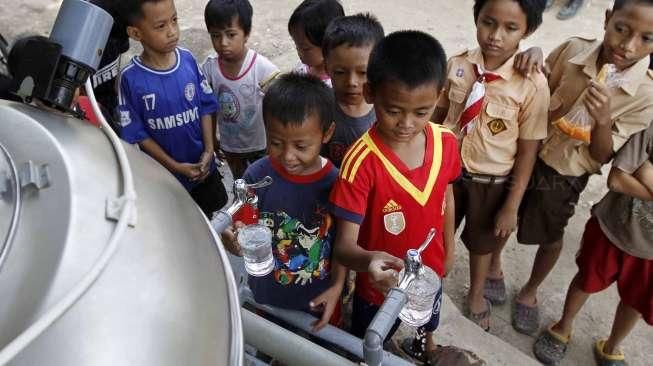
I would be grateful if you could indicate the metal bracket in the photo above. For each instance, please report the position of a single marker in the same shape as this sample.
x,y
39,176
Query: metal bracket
x,y
33,175
114,208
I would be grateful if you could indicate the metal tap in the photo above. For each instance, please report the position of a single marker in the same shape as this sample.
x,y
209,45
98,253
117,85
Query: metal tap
x,y
395,300
413,261
243,194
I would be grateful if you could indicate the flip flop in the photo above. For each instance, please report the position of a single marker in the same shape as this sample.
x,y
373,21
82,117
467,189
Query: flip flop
x,y
477,318
495,290
550,347
525,319
604,359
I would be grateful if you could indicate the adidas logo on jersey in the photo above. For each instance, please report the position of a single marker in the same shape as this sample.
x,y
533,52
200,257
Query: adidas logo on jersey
x,y
391,206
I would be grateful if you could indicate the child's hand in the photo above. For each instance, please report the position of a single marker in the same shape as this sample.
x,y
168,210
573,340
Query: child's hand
x,y
189,170
505,222
326,302
230,239
597,102
205,165
530,61
383,271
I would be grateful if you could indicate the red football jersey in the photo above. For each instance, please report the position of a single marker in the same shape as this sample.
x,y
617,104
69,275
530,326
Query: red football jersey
x,y
395,206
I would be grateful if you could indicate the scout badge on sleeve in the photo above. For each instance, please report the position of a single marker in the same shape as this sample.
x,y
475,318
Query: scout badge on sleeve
x,y
474,102
578,122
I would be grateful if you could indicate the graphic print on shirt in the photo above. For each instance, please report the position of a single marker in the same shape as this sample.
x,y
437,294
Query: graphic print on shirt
x,y
301,250
235,115
638,210
229,104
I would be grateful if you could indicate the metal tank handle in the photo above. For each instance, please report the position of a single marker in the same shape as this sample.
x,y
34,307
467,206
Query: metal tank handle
x,y
13,226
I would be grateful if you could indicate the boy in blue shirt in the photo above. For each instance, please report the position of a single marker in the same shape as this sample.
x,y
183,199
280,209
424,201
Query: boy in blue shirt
x,y
298,115
165,102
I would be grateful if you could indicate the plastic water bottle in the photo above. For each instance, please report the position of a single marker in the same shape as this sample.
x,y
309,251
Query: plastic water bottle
x,y
420,297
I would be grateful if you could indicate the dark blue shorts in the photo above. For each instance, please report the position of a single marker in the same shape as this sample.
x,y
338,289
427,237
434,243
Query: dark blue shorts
x,y
363,313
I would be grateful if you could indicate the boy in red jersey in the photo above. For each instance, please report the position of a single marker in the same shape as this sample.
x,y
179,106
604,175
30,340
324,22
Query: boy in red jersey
x,y
393,181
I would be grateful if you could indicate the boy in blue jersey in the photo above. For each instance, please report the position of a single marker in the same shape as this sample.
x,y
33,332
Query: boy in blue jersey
x,y
165,102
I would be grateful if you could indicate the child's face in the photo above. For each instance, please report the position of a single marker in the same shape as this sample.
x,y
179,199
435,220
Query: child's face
x,y
347,67
402,112
157,30
500,26
297,147
308,53
628,35
229,42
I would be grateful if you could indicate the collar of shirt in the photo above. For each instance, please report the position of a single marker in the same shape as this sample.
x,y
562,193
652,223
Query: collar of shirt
x,y
633,76
505,71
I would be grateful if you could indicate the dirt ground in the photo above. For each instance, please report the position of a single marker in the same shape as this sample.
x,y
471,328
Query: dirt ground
x,y
451,22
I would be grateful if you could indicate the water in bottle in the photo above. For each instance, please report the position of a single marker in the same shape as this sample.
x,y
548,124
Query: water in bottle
x,y
256,245
420,297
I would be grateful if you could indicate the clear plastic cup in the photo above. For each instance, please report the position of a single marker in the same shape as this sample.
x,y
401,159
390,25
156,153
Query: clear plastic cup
x,y
420,297
256,245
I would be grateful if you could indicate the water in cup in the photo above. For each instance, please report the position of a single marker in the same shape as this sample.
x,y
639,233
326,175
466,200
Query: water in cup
x,y
420,297
256,245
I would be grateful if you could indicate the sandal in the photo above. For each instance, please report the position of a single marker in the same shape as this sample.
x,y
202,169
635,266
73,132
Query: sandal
x,y
477,318
550,347
604,359
525,319
415,347
495,290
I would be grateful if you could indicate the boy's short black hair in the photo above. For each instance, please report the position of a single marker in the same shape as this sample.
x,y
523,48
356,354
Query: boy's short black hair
x,y
220,13
410,57
313,16
532,8
293,97
131,11
619,4
358,30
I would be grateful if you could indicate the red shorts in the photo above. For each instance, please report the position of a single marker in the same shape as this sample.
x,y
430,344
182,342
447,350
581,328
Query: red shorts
x,y
600,263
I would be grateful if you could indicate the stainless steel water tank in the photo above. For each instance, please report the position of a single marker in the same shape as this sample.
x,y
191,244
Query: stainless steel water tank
x,y
167,296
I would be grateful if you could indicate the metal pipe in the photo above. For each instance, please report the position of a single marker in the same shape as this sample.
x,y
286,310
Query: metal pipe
x,y
293,350
15,217
331,334
380,326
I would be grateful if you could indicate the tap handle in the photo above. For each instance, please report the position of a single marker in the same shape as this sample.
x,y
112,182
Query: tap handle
x,y
266,181
428,240
244,192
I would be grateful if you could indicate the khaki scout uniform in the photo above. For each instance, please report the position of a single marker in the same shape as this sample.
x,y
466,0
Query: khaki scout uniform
x,y
565,164
514,107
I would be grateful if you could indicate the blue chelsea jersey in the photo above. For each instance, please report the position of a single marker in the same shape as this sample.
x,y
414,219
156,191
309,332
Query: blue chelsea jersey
x,y
167,106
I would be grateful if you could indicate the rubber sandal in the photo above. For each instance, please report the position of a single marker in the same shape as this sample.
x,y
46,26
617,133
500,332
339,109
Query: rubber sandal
x,y
495,290
604,359
525,319
550,347
478,317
